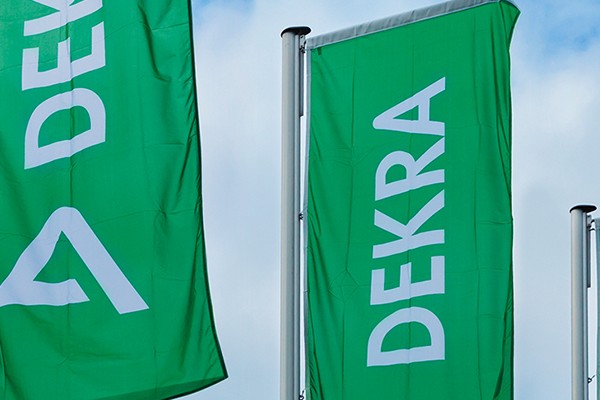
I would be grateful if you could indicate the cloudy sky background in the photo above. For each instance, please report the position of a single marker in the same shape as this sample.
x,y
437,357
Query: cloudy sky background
x,y
556,139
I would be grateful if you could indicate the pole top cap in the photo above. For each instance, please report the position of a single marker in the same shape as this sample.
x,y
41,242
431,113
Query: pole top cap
x,y
298,30
586,208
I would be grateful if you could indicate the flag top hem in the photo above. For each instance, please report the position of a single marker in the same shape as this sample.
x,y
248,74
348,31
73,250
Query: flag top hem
x,y
395,21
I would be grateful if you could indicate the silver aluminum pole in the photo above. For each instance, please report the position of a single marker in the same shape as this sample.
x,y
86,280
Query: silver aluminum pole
x,y
579,285
292,88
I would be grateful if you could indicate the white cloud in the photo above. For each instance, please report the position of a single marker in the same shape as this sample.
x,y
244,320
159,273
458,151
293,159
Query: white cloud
x,y
555,103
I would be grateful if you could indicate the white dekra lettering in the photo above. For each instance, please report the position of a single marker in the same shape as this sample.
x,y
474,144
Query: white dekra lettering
x,y
415,177
435,351
409,239
66,12
66,69
20,286
36,155
423,125
410,235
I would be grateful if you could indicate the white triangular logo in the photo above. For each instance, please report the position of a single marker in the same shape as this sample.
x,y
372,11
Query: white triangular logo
x,y
21,288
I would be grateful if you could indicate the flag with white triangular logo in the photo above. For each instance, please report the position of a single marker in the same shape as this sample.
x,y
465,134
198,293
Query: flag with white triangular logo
x,y
103,286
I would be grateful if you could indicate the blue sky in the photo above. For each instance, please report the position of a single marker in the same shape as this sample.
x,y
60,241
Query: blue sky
x,y
556,110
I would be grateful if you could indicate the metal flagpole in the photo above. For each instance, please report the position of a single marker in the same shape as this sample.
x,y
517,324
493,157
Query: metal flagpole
x,y
293,39
580,281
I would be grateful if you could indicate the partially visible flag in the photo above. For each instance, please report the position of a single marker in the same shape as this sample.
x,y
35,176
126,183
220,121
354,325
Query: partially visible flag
x,y
597,234
409,254
103,286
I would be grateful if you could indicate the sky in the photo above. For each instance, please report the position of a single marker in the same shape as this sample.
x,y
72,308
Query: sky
x,y
556,135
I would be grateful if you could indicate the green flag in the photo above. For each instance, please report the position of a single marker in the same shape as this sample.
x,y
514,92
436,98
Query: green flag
x,y
409,224
588,273
103,287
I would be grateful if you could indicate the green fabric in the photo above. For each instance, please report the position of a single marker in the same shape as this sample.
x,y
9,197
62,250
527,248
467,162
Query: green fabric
x,y
597,234
352,82
137,190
